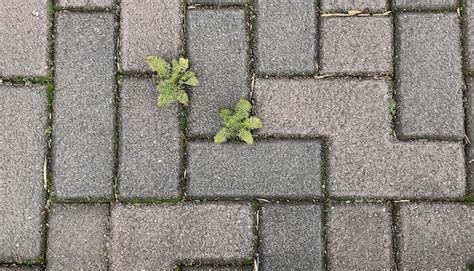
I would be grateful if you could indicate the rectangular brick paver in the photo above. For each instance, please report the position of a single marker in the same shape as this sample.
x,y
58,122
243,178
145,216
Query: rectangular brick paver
x,y
346,5
269,169
19,268
150,143
286,36
24,30
429,76
425,4
469,29
218,2
86,3
23,120
84,110
77,237
217,47
470,134
246,268
157,237
359,237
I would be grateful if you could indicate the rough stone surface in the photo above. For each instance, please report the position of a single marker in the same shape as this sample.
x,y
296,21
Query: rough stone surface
x,y
425,4
150,143
217,47
269,169
436,236
291,237
218,2
84,111
233,268
429,76
19,268
346,5
359,237
365,160
286,36
469,28
149,27
470,134
147,237
86,3
24,26
356,45
77,237
23,119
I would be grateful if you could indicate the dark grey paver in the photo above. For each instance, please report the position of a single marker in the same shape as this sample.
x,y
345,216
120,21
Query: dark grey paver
x,y
23,119
77,237
356,45
86,3
24,34
155,237
470,134
150,143
346,5
234,268
429,76
286,36
291,237
359,237
425,4
436,236
149,27
218,2
84,110
365,160
469,36
269,169
217,47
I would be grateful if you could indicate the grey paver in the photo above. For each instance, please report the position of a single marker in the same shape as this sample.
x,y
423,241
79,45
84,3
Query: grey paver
x,y
218,2
234,268
217,47
86,3
77,237
24,30
436,236
346,5
365,160
150,143
286,36
469,28
425,4
429,76
291,237
270,169
151,27
148,237
23,119
356,45
84,110
470,134
19,268
359,237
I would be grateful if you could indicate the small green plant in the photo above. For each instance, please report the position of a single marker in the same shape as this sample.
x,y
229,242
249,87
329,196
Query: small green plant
x,y
238,123
172,79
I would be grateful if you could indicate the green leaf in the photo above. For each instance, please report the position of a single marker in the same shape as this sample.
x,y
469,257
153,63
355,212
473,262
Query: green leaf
x,y
183,63
159,65
225,114
253,123
222,136
182,97
164,100
242,110
175,70
245,136
192,81
187,75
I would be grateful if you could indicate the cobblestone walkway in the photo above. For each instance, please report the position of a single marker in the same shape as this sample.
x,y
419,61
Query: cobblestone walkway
x,y
364,162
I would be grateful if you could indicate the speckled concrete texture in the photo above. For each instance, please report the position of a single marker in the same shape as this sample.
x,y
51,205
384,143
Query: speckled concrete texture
x,y
86,3
346,5
419,5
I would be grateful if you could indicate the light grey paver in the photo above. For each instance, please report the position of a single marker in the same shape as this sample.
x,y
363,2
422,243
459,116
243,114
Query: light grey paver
x,y
286,37
86,3
24,30
429,76
217,47
469,29
291,237
150,143
218,2
236,268
269,169
156,237
77,237
346,5
149,27
436,236
359,237
356,45
365,160
23,120
470,134
19,268
84,110
425,4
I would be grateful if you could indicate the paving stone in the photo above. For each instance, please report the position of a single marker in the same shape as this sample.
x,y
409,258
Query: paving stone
x,y
218,2
86,3
470,134
291,237
23,119
356,45
77,237
346,5
286,37
429,76
365,160
148,237
217,49
150,143
24,30
84,110
149,27
234,268
436,236
19,268
469,28
425,4
359,237
269,169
